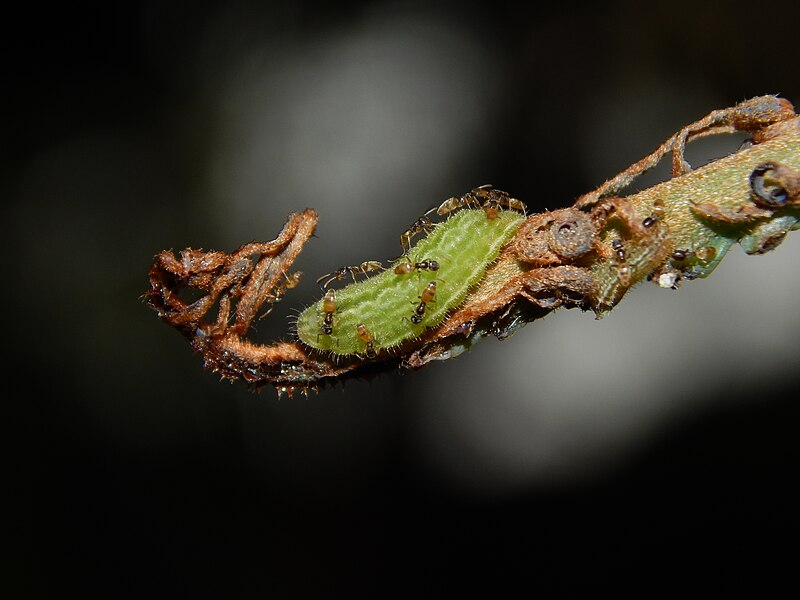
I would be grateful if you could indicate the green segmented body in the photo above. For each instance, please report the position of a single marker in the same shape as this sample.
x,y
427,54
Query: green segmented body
x,y
464,246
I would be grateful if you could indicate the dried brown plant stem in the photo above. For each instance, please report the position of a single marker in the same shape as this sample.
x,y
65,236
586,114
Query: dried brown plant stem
x,y
585,256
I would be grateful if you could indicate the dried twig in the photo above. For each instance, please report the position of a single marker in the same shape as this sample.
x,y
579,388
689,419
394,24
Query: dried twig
x,y
585,256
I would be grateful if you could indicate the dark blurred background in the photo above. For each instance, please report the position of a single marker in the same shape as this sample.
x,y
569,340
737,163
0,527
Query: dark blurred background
x,y
653,450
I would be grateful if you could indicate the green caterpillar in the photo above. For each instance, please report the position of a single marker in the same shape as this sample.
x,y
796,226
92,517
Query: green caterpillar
x,y
383,311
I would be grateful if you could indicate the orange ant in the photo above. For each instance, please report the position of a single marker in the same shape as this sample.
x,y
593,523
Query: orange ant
x,y
484,196
329,307
424,223
468,200
495,200
493,205
428,295
365,336
365,267
407,267
292,281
